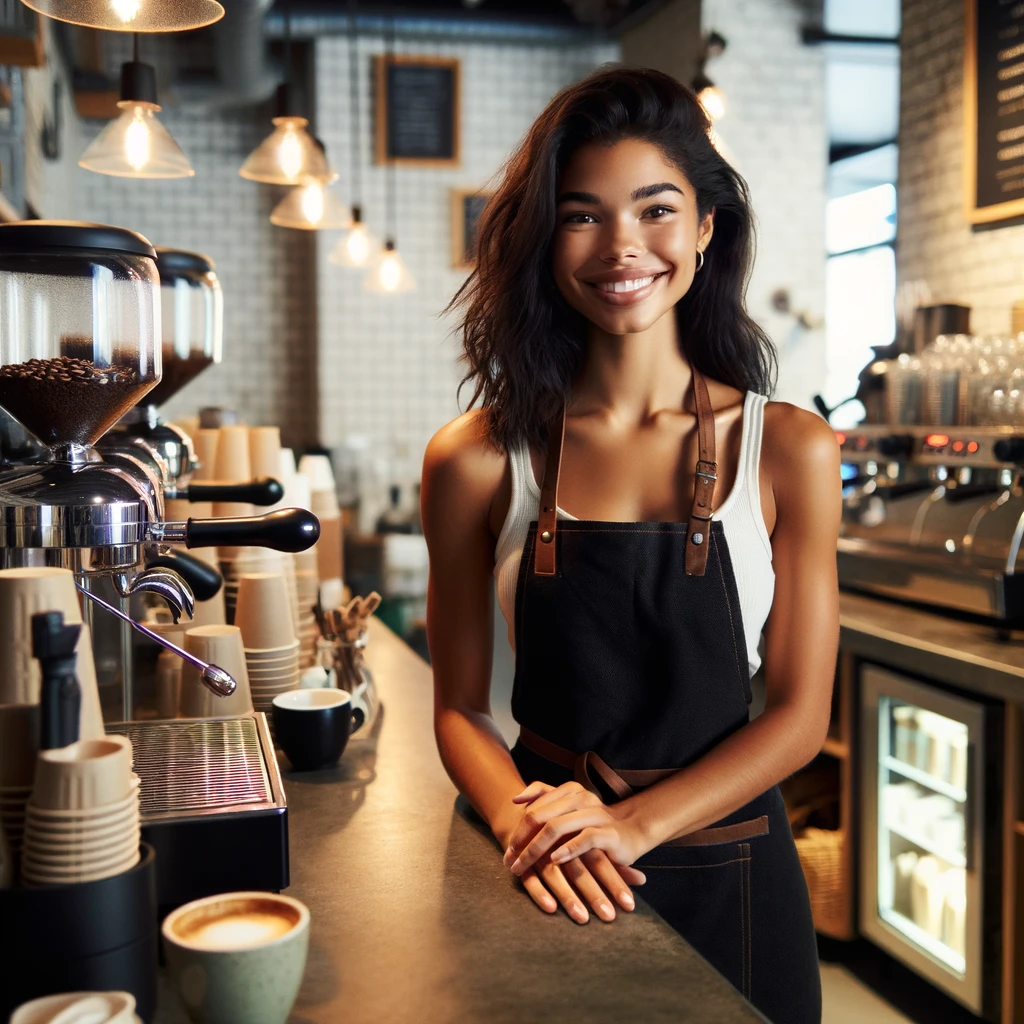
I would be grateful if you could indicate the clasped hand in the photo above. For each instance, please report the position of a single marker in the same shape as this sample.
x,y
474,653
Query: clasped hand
x,y
566,834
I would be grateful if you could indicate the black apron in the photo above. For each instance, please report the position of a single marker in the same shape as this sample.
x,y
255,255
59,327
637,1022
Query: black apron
x,y
631,663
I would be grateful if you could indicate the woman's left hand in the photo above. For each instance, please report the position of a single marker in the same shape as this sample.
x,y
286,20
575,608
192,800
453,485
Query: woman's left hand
x,y
570,810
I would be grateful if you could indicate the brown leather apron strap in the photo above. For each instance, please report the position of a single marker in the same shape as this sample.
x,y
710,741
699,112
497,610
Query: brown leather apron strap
x,y
621,783
547,517
698,528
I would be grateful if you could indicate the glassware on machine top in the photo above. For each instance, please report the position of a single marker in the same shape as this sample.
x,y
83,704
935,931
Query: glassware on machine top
x,y
192,319
79,326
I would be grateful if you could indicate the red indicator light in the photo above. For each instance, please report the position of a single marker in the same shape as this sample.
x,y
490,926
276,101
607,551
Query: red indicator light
x,y
973,446
958,446
937,440
841,438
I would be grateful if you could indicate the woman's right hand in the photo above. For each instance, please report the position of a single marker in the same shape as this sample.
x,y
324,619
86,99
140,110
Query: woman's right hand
x,y
591,881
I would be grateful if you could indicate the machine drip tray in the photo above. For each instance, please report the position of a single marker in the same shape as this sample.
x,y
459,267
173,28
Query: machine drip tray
x,y
213,805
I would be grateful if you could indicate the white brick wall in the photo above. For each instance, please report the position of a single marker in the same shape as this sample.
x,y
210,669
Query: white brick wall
x,y
776,131
388,365
981,269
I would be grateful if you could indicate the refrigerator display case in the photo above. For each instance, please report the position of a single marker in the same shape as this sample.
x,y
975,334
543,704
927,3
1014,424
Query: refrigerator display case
x,y
930,820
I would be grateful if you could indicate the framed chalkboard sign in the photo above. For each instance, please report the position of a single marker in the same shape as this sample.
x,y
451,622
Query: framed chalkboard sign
x,y
467,205
993,111
417,110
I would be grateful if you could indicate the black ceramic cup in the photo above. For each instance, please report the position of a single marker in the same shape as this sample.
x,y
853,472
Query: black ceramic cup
x,y
312,726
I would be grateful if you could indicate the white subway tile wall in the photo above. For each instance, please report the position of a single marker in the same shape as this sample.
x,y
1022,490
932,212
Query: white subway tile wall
x,y
388,365
775,130
981,269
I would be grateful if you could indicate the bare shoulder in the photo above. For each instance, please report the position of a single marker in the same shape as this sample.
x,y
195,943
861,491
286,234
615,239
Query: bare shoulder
x,y
799,451
462,469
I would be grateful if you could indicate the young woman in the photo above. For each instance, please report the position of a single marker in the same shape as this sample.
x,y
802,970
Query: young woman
x,y
678,516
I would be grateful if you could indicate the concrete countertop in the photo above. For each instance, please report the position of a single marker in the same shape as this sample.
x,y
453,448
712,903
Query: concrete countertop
x,y
963,654
414,918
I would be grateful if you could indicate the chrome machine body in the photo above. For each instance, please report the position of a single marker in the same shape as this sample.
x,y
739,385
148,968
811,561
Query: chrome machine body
x,y
935,516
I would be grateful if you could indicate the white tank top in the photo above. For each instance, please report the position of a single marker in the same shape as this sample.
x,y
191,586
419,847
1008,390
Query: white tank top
x,y
750,548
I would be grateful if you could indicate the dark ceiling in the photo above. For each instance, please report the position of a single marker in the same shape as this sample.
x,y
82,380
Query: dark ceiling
x,y
609,14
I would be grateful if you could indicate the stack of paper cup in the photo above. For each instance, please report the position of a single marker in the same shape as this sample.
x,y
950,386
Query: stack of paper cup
x,y
23,593
82,822
205,440
324,505
265,451
220,646
307,589
251,560
19,744
271,649
233,466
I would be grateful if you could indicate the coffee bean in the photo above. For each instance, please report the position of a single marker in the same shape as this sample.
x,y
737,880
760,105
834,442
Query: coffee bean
x,y
69,398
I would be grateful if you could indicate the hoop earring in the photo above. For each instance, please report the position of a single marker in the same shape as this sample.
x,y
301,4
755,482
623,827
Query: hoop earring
x,y
700,265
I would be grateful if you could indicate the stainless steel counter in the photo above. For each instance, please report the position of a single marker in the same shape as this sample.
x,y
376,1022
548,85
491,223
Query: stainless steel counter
x,y
961,654
414,918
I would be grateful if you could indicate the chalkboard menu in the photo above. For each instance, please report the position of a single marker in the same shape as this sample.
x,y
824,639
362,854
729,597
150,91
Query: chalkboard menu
x,y
417,109
994,110
466,209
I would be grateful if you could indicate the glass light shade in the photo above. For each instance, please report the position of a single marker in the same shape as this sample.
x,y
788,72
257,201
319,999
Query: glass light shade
x,y
287,156
136,145
389,275
356,248
712,99
132,15
311,207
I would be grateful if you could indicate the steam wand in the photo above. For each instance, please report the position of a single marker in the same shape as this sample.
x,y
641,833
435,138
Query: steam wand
x,y
215,679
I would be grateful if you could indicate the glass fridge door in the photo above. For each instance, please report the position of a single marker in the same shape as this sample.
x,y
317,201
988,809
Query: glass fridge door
x,y
922,828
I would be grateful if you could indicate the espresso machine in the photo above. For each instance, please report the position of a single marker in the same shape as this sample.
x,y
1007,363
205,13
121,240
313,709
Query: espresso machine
x,y
935,516
80,346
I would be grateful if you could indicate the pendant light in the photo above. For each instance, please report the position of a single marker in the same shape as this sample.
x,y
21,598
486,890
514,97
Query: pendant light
x,y
136,144
288,155
311,206
357,246
131,15
388,274
711,97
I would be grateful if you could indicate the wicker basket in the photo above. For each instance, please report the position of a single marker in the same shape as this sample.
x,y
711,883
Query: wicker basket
x,y
821,857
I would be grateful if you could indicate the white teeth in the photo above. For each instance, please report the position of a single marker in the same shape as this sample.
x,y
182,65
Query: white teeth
x,y
626,286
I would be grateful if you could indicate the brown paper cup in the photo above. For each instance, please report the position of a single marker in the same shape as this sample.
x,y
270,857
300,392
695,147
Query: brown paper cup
x,y
221,646
233,454
265,451
83,776
260,612
206,441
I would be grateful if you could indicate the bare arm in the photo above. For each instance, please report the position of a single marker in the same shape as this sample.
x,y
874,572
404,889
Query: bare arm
x,y
461,475
801,639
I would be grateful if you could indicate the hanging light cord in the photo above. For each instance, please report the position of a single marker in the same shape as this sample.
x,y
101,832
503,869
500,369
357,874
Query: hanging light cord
x,y
390,213
135,47
353,82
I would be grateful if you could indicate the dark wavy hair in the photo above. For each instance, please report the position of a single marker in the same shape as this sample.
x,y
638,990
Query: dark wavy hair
x,y
522,342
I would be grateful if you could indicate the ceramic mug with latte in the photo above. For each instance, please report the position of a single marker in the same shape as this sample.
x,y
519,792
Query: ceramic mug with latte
x,y
238,956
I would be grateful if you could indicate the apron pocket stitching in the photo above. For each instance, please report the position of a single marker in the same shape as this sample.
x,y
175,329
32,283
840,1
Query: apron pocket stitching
x,y
745,868
689,867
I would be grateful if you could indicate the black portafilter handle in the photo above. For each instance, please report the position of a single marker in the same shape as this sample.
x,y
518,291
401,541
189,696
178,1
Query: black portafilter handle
x,y
204,579
53,645
287,529
263,491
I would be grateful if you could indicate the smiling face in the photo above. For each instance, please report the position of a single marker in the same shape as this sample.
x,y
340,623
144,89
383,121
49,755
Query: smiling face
x,y
626,237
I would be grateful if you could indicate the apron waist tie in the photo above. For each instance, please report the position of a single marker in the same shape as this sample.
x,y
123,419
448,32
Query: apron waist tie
x,y
622,784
